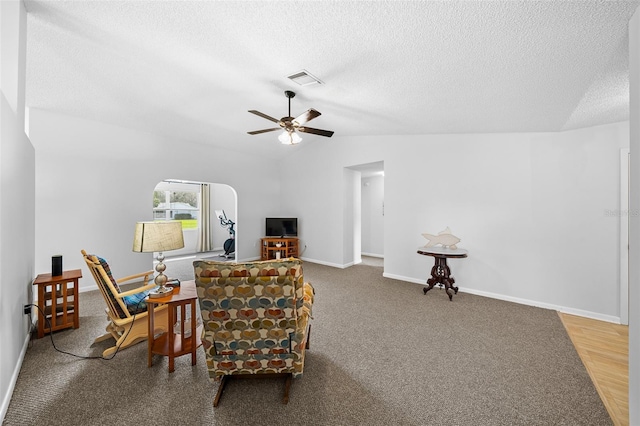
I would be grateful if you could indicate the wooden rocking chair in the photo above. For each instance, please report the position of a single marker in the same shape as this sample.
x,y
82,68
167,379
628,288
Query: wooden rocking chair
x,y
126,311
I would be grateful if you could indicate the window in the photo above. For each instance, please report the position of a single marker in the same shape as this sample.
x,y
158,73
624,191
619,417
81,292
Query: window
x,y
177,205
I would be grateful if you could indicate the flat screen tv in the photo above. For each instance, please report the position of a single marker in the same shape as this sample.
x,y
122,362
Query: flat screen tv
x,y
281,227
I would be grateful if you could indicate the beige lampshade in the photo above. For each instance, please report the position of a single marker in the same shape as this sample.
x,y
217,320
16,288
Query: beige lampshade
x,y
157,236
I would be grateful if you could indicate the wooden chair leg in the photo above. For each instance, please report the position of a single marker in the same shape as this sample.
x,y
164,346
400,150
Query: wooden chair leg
x,y
109,351
287,385
103,338
223,382
225,378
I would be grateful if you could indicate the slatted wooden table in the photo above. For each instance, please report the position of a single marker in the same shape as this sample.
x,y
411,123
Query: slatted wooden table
x,y
58,303
174,344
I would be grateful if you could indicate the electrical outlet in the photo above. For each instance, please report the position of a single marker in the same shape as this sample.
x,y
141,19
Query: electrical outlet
x,y
27,309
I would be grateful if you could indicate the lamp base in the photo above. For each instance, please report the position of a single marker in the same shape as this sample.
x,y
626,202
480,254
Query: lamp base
x,y
160,292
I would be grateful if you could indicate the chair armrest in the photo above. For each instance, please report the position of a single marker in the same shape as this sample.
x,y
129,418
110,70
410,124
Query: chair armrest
x,y
135,276
135,290
307,300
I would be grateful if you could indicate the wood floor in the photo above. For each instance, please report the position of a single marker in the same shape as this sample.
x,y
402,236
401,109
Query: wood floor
x,y
604,350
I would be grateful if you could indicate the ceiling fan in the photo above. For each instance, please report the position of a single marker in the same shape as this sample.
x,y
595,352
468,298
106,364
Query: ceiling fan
x,y
291,126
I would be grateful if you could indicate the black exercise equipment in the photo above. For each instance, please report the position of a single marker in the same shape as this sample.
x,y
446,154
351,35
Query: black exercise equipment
x,y
230,243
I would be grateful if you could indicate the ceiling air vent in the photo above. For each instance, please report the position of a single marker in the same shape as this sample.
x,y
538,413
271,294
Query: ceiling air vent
x,y
303,78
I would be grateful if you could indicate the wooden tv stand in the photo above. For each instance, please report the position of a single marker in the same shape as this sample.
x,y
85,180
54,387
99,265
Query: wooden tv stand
x,y
269,251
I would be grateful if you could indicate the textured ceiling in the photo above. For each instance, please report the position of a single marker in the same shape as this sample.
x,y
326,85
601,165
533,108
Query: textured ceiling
x,y
192,69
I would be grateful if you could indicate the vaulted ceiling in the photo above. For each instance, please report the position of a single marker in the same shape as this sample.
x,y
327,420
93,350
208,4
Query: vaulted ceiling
x,y
192,69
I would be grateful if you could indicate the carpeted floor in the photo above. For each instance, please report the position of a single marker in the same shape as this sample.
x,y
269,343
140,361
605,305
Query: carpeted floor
x,y
382,353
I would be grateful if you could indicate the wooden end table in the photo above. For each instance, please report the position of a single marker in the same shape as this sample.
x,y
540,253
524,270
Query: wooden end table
x,y
169,343
440,273
58,301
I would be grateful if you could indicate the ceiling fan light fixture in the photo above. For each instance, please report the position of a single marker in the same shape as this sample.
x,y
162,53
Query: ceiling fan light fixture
x,y
304,78
289,138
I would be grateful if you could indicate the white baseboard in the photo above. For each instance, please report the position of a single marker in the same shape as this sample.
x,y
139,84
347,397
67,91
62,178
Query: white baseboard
x,y
321,262
402,278
589,314
249,259
563,309
87,287
14,378
173,259
380,256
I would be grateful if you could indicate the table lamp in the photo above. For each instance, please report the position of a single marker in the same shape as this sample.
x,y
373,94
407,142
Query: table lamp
x,y
158,236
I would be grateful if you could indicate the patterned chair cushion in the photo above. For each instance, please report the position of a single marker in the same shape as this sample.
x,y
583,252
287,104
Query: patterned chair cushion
x,y
107,269
135,303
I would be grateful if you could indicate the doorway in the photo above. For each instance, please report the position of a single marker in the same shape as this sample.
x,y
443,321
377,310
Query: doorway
x,y
368,208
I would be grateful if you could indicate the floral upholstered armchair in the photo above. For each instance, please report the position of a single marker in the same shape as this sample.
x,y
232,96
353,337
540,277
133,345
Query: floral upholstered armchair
x,y
256,318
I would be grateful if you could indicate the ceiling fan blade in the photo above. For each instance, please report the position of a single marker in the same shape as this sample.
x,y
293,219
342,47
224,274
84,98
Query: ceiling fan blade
x,y
305,116
327,133
253,111
257,132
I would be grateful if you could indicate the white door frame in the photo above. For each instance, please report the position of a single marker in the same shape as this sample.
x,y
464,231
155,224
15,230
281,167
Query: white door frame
x,y
624,236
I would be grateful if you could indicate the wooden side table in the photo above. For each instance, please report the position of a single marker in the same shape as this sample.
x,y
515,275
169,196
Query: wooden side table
x,y
58,300
278,248
440,273
171,344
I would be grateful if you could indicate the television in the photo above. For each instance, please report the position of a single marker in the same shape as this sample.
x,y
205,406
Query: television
x,y
281,227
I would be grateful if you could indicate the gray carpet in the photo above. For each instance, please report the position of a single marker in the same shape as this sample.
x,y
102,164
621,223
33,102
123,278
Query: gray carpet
x,y
382,353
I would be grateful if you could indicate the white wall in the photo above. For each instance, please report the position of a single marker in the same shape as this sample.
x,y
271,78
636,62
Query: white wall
x,y
634,222
373,216
530,208
17,189
80,162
